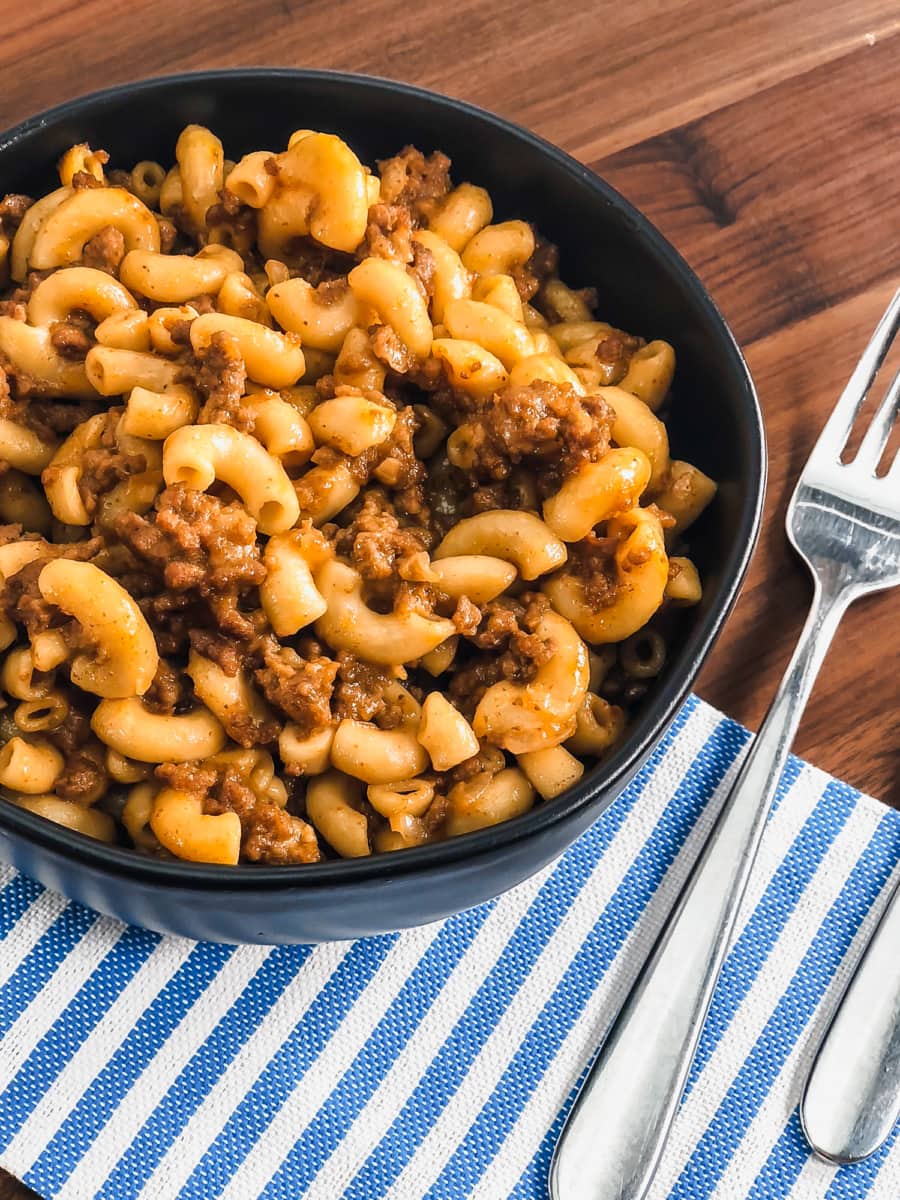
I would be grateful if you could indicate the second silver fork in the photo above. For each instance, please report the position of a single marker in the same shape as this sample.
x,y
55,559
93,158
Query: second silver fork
x,y
844,521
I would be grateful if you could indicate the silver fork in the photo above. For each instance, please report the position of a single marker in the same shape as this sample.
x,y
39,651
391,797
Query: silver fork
x,y
845,524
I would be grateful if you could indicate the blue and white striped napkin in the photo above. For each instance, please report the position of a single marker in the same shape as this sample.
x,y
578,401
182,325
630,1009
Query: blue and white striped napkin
x,y
440,1062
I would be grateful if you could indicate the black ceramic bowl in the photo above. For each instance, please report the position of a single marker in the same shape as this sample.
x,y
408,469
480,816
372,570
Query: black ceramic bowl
x,y
645,287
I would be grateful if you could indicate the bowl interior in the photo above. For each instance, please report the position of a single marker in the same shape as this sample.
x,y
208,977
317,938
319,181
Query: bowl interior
x,y
643,285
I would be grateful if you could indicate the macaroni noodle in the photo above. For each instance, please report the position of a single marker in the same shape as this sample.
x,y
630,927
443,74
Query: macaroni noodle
x,y
61,236
124,659
198,455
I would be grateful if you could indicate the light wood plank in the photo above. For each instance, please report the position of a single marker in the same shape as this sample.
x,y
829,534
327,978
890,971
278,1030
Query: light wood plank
x,y
592,77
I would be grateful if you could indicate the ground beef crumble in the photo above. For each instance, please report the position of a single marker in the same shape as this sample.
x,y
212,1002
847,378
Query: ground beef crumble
x,y
169,692
105,250
196,541
269,834
316,263
103,466
13,208
332,291
221,377
390,350
361,692
592,561
74,732
543,265
200,548
23,603
389,233
84,775
375,542
511,649
235,223
607,355
466,617
168,235
300,687
226,652
548,426
414,179
73,337
529,277
423,267
249,731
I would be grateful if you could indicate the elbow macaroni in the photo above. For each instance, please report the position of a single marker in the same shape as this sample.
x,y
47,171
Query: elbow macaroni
x,y
496,249
539,714
177,278
230,698
198,455
129,728
61,236
289,595
112,371
516,537
273,359
178,820
642,572
323,324
29,767
596,492
445,733
387,638
125,657
201,168
491,328
351,424
394,294
324,184
464,212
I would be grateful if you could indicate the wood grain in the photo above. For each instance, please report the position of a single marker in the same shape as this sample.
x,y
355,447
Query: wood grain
x,y
787,204
594,77
760,135
781,203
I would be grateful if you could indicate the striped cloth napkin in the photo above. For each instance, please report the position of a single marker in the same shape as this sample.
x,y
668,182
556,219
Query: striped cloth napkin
x,y
441,1062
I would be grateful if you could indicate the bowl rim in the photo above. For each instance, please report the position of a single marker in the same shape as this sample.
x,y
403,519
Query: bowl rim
x,y
664,703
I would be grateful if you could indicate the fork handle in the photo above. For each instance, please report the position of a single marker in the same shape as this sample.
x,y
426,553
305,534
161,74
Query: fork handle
x,y
615,1134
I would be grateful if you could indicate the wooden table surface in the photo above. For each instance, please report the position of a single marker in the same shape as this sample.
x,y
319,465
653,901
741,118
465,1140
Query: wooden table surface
x,y
761,136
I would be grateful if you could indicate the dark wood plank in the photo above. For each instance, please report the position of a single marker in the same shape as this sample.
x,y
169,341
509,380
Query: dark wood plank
x,y
11,1189
786,202
788,206
594,77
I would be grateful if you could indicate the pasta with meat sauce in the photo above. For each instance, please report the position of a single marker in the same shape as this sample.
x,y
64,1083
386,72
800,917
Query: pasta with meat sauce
x,y
334,522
